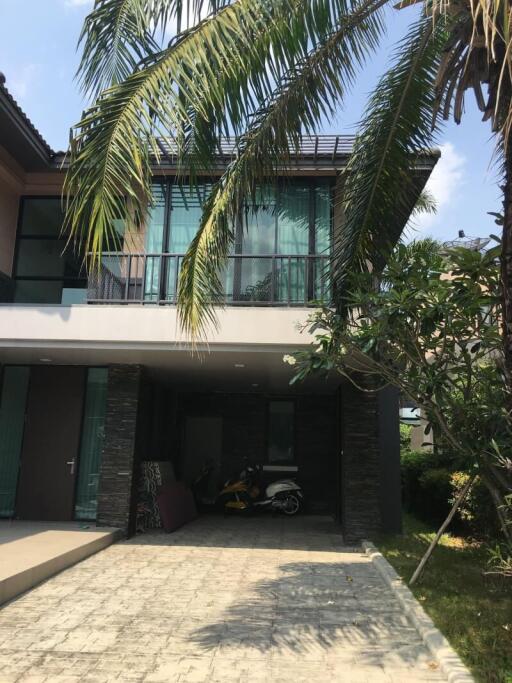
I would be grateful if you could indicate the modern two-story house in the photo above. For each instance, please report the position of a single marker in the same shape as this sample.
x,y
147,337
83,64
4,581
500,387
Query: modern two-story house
x,y
96,376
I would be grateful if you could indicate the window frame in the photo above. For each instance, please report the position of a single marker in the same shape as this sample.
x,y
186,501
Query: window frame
x,y
281,399
60,236
279,183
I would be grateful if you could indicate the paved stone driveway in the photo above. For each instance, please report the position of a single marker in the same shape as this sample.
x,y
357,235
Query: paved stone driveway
x,y
265,599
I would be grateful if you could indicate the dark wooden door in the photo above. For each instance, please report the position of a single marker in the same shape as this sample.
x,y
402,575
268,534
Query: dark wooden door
x,y
49,457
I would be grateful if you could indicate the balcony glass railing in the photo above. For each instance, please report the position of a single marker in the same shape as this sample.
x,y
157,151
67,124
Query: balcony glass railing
x,y
272,280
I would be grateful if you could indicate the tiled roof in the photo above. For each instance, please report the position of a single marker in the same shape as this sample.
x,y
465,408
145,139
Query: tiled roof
x,y
23,117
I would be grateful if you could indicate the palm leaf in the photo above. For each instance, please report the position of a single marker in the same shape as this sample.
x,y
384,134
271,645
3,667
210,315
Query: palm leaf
x,y
221,65
118,34
302,98
380,189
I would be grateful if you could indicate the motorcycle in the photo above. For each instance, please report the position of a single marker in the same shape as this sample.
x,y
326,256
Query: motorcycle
x,y
246,493
203,487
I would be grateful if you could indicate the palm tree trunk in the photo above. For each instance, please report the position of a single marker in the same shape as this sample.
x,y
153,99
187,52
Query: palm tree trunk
x,y
506,271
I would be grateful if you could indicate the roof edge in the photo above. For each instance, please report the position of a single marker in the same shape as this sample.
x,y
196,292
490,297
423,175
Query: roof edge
x,y
22,122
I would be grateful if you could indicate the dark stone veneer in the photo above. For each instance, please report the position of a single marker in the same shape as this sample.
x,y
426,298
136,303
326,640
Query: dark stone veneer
x,y
117,484
370,461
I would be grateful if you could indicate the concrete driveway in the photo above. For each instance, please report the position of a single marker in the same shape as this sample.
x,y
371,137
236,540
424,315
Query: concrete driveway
x,y
264,599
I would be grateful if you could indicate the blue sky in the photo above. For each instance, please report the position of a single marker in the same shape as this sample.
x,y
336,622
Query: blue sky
x,y
38,57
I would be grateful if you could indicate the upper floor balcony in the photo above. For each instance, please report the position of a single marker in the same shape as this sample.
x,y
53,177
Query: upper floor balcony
x,y
249,280
280,255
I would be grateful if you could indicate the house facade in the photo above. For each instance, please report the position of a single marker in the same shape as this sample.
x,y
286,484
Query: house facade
x,y
97,377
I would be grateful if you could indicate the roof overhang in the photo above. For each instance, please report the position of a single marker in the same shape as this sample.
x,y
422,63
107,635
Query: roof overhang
x,y
19,137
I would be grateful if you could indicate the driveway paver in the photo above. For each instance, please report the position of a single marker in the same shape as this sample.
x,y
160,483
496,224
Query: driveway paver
x,y
223,599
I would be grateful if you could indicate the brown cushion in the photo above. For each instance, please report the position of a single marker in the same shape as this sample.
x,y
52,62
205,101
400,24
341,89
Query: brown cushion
x,y
176,505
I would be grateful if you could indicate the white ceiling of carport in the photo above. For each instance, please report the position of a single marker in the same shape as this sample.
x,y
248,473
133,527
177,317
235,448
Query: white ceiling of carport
x,y
213,370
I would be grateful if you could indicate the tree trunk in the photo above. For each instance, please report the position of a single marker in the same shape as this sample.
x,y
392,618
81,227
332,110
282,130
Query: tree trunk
x,y
442,529
506,272
501,508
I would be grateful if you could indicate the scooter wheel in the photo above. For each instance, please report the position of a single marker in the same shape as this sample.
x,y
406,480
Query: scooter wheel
x,y
291,505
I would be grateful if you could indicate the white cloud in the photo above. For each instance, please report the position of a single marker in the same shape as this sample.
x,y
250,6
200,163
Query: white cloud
x,y
445,183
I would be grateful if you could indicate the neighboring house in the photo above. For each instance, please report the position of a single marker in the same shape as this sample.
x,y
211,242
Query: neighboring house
x,y
97,377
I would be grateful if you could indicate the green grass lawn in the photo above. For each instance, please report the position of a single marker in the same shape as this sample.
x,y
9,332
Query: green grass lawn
x,y
473,611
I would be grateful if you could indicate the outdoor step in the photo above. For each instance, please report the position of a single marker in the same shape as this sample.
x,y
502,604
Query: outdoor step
x,y
31,552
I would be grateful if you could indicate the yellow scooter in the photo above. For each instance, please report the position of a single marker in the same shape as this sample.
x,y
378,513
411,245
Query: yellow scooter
x,y
240,493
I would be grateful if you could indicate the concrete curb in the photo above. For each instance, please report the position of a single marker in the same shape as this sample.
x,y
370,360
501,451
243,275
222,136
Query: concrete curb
x,y
439,647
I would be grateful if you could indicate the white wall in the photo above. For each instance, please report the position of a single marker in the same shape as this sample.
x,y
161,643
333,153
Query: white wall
x,y
135,325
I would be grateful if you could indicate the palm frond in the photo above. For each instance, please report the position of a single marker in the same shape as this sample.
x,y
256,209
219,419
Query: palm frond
x,y
477,56
109,176
118,34
380,189
304,96
426,203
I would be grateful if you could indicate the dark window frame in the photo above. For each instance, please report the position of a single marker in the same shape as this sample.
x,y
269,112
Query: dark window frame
x,y
80,280
279,184
281,399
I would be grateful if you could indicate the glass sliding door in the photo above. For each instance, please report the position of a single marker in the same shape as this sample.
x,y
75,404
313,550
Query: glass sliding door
x,y
293,239
323,221
185,218
91,444
155,242
278,234
258,240
12,421
287,226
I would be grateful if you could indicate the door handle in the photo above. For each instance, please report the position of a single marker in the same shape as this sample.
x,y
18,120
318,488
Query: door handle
x,y
72,463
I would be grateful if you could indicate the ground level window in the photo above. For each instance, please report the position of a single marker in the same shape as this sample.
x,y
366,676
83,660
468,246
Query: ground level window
x,y
281,428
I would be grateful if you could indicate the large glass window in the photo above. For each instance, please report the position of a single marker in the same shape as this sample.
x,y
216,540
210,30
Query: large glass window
x,y
281,432
282,241
12,420
91,444
290,224
46,270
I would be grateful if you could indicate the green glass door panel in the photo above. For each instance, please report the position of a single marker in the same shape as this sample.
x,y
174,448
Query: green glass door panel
x,y
154,242
293,238
12,421
91,444
185,218
323,218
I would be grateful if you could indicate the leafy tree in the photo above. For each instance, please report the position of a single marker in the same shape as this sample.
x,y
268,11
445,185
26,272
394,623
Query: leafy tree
x,y
430,328
269,71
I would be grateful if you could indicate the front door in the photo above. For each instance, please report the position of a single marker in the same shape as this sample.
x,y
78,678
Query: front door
x,y
49,458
